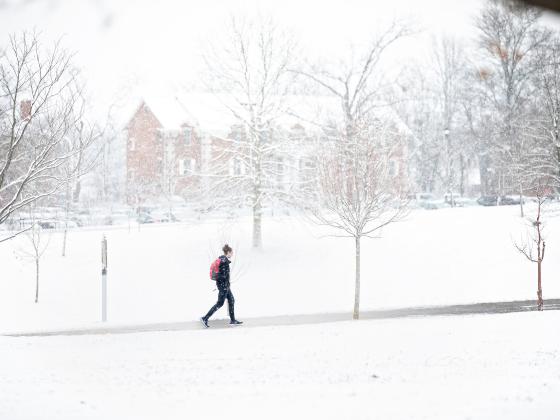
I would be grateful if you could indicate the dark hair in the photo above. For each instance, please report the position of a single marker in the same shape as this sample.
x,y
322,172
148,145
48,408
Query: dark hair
x,y
227,249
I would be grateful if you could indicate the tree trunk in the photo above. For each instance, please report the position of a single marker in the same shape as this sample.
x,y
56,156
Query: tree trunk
x,y
66,212
521,200
539,288
357,288
36,279
462,186
485,176
541,246
257,208
558,163
138,215
500,191
257,224
77,191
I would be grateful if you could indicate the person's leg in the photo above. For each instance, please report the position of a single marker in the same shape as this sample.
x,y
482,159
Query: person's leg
x,y
231,303
221,299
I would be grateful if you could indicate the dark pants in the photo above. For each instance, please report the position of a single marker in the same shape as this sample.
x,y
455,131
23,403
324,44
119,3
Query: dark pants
x,y
223,294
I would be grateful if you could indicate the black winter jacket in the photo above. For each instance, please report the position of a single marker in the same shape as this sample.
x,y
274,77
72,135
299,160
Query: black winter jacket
x,y
223,272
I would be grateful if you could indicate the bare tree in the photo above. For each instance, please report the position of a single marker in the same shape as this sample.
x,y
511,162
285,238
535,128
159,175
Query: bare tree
x,y
545,126
249,73
449,69
109,173
354,178
509,35
38,241
435,95
479,124
360,84
80,138
360,189
424,149
39,93
533,247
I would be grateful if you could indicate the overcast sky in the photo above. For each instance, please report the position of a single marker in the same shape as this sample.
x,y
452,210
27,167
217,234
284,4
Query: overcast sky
x,y
124,46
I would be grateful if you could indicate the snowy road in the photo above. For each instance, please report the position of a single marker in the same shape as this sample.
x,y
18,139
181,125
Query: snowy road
x,y
303,319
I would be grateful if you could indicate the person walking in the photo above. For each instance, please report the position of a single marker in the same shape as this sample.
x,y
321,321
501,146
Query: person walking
x,y
224,290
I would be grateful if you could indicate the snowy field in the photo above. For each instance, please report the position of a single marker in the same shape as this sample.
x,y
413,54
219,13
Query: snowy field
x,y
457,367
160,272
447,367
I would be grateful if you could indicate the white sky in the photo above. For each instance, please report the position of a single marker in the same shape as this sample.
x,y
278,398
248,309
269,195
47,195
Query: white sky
x,y
124,45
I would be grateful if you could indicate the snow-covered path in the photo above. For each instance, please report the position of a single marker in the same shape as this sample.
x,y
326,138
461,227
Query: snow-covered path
x,y
306,319
502,366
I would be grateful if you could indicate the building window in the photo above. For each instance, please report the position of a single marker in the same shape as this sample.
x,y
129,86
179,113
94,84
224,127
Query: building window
x,y
392,168
181,166
132,144
192,165
242,167
238,132
187,133
187,166
237,167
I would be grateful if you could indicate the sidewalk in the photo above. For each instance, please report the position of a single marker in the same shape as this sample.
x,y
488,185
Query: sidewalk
x,y
301,319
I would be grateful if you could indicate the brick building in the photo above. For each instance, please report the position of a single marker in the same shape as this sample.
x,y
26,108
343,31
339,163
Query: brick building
x,y
171,152
160,160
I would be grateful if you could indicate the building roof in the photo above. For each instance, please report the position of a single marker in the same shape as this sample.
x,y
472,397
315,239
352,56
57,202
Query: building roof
x,y
216,114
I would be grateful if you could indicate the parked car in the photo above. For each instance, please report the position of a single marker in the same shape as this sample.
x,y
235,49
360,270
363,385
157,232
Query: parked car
x,y
505,200
508,200
464,201
47,224
163,217
145,218
432,204
488,200
457,200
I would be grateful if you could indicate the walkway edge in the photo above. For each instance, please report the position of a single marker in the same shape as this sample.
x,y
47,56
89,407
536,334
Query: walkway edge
x,y
303,319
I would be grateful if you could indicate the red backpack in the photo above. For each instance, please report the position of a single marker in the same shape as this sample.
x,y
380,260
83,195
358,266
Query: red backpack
x,y
214,269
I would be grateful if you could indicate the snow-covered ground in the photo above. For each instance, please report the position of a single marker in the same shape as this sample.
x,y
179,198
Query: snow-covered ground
x,y
446,367
160,272
456,367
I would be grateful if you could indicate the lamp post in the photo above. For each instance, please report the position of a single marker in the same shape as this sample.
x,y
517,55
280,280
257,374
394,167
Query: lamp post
x,y
104,279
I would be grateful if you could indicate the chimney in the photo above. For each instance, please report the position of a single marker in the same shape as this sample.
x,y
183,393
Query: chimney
x,y
25,109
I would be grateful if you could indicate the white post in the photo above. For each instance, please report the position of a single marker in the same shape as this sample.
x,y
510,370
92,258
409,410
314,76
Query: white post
x,y
104,279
